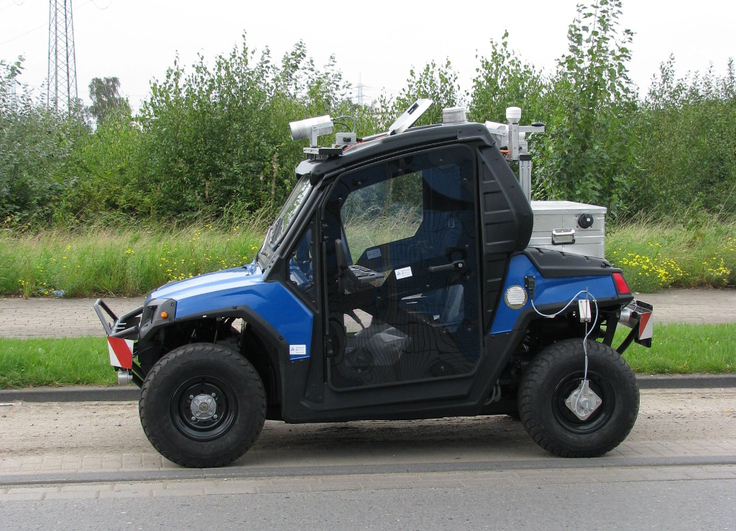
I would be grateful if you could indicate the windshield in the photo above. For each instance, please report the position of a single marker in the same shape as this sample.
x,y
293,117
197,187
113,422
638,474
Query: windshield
x,y
280,226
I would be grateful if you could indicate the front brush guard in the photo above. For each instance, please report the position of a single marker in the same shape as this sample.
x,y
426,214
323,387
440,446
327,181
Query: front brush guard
x,y
126,327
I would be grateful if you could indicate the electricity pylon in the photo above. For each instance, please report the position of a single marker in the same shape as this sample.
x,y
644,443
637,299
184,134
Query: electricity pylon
x,y
62,79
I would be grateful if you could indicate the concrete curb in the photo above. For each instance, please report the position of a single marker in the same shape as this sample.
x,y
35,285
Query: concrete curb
x,y
71,394
255,472
132,393
686,381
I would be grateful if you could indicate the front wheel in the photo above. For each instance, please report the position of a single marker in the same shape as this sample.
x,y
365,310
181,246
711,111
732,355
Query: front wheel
x,y
570,419
202,405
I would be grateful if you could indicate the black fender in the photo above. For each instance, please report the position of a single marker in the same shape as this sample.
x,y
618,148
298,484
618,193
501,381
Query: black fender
x,y
258,332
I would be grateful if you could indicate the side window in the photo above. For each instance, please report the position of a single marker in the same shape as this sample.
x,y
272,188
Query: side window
x,y
301,270
382,212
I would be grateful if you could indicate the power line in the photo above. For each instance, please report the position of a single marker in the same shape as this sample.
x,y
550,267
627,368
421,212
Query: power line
x,y
12,3
101,8
24,34
44,25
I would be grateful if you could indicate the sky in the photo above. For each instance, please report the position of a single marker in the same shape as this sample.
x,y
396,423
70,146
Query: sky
x,y
375,43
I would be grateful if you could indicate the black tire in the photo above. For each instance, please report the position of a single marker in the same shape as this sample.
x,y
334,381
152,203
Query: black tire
x,y
230,422
553,375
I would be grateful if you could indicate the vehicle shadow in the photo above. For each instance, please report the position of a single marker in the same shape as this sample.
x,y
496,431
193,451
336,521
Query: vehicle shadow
x,y
391,442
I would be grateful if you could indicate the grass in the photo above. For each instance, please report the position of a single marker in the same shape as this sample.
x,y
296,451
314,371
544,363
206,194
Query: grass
x,y
126,262
684,349
134,261
676,349
54,362
660,255
364,230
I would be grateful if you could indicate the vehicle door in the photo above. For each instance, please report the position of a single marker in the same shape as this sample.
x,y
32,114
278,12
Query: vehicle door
x,y
401,270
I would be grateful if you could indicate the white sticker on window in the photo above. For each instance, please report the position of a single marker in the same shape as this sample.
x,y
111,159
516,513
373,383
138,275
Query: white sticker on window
x,y
404,272
373,253
298,350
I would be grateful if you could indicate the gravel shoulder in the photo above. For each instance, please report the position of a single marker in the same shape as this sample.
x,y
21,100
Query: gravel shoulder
x,y
106,436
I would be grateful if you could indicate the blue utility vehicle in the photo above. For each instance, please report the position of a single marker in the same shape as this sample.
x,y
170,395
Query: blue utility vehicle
x,y
396,283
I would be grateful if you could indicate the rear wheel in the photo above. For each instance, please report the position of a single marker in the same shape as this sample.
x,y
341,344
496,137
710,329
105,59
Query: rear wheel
x,y
202,405
569,419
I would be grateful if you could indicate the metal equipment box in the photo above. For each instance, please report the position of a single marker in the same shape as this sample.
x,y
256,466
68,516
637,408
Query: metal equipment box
x,y
570,227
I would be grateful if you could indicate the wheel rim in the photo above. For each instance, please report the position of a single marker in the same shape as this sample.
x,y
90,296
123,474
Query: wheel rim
x,y
204,408
600,416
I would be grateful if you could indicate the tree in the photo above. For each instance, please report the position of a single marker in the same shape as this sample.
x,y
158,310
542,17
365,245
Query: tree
x,y
216,137
35,143
106,99
504,80
688,154
591,148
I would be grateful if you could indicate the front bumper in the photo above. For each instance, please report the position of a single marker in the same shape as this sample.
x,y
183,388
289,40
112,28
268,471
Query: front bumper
x,y
121,333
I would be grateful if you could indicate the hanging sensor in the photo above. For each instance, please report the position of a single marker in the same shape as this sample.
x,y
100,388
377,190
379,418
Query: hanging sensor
x,y
584,310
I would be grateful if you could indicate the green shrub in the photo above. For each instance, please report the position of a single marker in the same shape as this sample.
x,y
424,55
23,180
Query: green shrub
x,y
212,139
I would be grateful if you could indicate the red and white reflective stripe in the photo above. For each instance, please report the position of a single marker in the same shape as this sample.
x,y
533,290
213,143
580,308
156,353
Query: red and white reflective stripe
x,y
646,326
121,352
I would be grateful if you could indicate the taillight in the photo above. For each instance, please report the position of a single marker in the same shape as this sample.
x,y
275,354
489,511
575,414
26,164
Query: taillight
x,y
621,286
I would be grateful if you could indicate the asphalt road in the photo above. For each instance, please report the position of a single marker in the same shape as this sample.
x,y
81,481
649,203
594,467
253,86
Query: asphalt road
x,y
669,504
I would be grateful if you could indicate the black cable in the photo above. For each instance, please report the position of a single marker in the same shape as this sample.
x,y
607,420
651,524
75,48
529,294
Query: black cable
x,y
336,120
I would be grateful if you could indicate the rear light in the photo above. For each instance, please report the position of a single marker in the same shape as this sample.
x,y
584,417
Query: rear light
x,y
621,286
